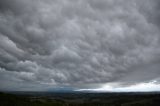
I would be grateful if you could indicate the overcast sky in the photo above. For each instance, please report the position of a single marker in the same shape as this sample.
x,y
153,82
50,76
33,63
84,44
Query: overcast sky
x,y
80,44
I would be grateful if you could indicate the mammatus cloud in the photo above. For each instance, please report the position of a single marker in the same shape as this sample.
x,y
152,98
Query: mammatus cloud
x,y
75,43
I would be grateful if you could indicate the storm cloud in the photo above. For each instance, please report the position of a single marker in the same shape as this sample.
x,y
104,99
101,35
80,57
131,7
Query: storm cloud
x,y
52,43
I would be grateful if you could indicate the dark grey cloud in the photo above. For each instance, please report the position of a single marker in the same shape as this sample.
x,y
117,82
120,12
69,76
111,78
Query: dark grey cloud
x,y
72,43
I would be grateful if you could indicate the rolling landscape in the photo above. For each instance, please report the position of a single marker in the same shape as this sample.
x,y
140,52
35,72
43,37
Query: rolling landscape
x,y
79,99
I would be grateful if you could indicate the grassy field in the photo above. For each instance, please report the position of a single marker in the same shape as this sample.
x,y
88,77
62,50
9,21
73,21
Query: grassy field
x,y
80,99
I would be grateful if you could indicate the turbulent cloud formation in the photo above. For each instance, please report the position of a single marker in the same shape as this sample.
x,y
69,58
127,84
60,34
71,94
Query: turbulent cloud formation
x,y
53,43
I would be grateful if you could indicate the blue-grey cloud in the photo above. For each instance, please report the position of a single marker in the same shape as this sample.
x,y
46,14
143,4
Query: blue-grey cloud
x,y
72,43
